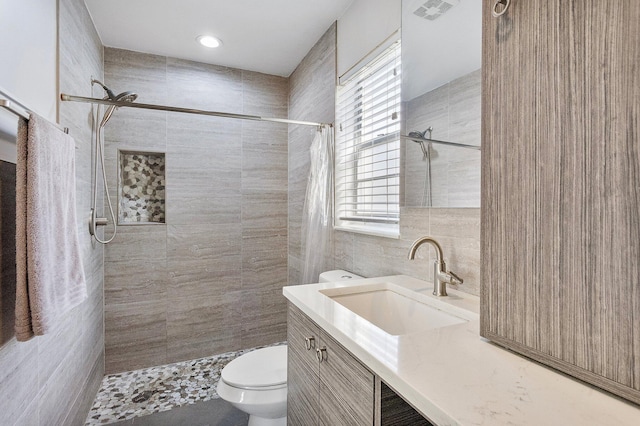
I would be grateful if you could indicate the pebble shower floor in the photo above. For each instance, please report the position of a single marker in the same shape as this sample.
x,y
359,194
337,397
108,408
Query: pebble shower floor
x,y
138,393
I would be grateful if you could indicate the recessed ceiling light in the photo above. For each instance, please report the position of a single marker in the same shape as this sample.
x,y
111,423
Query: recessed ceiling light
x,y
209,41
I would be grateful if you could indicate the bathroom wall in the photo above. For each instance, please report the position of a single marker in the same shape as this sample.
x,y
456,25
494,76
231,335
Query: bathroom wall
x,y
311,98
457,230
52,379
453,110
208,280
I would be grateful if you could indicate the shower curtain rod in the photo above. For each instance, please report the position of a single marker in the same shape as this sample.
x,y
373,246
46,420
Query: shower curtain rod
x,y
72,98
460,145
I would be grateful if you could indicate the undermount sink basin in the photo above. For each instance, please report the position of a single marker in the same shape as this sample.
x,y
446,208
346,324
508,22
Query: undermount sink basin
x,y
394,309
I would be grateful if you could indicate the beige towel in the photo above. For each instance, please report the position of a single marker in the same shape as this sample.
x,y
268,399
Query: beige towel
x,y
50,277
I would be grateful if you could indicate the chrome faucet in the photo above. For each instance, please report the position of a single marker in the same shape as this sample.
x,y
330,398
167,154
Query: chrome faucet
x,y
441,277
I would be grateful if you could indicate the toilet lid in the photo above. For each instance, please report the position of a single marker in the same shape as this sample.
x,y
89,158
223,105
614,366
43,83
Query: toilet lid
x,y
260,368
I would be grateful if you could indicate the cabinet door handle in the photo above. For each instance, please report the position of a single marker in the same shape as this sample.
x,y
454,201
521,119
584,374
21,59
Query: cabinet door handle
x,y
309,342
499,11
321,354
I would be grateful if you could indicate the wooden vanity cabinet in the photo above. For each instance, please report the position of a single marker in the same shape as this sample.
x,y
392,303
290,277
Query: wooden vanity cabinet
x,y
327,385
346,394
303,369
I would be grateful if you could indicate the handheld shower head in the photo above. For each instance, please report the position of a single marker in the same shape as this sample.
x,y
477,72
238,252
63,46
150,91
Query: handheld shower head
x,y
416,134
95,221
122,97
421,142
126,97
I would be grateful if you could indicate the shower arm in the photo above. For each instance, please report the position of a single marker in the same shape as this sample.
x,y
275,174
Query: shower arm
x,y
110,94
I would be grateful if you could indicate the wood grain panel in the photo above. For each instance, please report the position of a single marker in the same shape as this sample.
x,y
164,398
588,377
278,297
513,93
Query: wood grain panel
x,y
346,388
560,187
302,370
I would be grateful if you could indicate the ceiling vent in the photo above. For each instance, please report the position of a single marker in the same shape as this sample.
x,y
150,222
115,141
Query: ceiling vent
x,y
433,9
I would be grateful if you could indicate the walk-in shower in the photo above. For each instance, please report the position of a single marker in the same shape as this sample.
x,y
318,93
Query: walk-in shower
x,y
94,220
126,99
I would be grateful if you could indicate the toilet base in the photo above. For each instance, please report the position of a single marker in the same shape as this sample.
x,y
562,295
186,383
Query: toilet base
x,y
261,421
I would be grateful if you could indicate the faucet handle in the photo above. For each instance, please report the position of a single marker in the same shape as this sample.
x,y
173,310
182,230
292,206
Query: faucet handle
x,y
455,279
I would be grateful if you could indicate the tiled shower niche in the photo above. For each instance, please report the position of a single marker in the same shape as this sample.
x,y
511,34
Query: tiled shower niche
x,y
141,188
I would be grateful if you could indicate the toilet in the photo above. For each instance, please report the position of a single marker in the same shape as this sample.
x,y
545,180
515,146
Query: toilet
x,y
256,383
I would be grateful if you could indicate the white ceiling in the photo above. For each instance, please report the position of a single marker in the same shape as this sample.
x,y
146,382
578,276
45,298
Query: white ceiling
x,y
439,51
271,36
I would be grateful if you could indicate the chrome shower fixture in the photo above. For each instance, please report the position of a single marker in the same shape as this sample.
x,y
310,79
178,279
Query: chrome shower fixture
x,y
122,97
426,156
421,141
94,220
110,94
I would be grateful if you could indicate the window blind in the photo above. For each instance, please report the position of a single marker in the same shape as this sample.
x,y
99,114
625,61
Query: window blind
x,y
367,169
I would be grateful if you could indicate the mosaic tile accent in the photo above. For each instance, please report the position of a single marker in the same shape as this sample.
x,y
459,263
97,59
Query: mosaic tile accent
x,y
142,187
124,396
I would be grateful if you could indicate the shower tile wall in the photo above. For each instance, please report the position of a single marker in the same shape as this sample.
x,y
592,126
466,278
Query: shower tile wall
x,y
210,280
311,98
52,379
453,110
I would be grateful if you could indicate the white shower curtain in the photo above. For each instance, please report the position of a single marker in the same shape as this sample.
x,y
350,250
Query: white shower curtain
x,y
317,221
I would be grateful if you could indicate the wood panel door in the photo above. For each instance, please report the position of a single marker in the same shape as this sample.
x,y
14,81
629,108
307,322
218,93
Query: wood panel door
x,y
302,369
346,387
561,186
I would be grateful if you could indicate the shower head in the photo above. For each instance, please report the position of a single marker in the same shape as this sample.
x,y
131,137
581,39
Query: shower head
x,y
416,134
421,141
126,97
122,97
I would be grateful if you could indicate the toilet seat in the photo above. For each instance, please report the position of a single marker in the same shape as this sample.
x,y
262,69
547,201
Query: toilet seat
x,y
261,370
257,388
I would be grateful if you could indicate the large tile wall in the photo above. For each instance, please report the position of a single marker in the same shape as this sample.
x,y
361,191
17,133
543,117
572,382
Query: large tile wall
x,y
453,110
52,379
457,230
311,98
209,280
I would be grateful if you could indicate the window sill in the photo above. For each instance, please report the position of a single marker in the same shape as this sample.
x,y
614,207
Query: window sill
x,y
374,230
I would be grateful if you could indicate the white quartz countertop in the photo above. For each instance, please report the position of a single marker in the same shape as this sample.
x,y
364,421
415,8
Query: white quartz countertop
x,y
454,376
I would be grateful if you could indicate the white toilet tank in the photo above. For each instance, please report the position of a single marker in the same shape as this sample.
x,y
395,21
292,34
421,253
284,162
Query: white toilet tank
x,y
337,275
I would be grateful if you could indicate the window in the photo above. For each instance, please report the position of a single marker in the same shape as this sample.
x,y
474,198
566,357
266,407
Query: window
x,y
367,169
